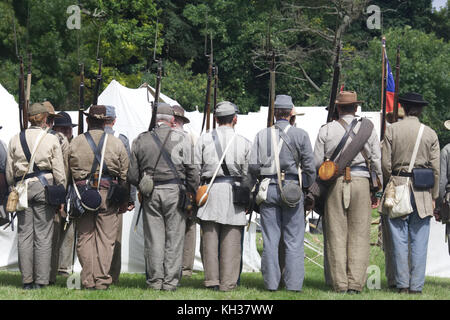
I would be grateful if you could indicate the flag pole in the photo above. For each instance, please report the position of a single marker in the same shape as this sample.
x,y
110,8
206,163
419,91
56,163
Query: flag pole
x,y
383,87
397,80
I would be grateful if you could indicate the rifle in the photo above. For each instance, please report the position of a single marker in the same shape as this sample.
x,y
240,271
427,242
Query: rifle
x,y
207,110
27,98
335,83
271,111
397,81
158,84
98,82
216,82
81,104
156,100
22,115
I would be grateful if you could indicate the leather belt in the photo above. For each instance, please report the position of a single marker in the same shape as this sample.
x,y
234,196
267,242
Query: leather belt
x,y
230,179
359,168
170,181
402,174
33,175
286,177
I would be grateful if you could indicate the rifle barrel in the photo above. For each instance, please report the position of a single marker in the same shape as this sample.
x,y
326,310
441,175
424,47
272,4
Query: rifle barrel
x,y
335,84
97,82
22,115
156,100
81,105
397,85
271,111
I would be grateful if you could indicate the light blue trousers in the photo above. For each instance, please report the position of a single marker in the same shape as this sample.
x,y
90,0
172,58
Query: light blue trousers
x,y
410,244
276,219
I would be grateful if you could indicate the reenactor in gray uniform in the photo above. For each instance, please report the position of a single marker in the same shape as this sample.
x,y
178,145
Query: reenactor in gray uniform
x,y
97,229
4,216
35,224
163,179
283,213
116,263
190,234
347,216
63,125
60,218
410,233
222,217
442,210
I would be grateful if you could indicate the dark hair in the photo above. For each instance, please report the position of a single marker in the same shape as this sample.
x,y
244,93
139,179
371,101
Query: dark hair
x,y
412,109
94,123
282,113
225,119
347,108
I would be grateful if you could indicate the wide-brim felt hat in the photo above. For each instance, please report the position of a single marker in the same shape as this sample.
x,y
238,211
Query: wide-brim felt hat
x,y
178,111
165,108
37,108
97,112
50,109
64,120
446,124
345,98
412,98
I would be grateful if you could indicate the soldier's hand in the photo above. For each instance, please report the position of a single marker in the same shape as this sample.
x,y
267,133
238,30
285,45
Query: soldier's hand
x,y
437,215
434,204
131,206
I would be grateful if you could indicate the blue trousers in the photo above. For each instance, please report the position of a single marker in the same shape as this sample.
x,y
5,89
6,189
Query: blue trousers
x,y
410,244
277,218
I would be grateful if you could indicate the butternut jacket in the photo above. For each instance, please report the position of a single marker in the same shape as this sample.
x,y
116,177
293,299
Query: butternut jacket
x,y
397,149
81,156
48,157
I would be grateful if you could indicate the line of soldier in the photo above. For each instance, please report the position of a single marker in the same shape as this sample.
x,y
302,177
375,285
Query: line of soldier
x,y
167,166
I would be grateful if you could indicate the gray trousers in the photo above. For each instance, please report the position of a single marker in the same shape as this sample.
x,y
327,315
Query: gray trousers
x,y
35,232
66,249
388,251
222,252
276,219
164,226
62,247
189,247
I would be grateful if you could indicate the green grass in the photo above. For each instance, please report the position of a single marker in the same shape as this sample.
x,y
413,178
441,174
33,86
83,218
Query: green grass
x,y
133,287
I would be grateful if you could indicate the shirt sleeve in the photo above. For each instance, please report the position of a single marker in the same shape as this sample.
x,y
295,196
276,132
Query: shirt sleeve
x,y
307,160
443,180
133,170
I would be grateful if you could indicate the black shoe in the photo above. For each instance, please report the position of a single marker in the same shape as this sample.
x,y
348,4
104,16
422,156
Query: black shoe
x,y
39,286
89,288
213,288
28,286
403,290
415,292
352,291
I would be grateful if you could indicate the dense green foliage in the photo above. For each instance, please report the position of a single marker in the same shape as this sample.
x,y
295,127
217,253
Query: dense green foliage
x,y
301,36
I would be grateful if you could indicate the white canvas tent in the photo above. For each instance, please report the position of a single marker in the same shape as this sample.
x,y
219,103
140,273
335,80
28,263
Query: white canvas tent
x,y
133,109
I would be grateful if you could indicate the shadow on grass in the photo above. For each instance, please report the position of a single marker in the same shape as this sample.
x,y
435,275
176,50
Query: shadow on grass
x,y
12,279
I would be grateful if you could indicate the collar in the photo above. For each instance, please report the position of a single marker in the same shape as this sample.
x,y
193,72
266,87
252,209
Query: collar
x,y
225,128
411,118
348,118
109,130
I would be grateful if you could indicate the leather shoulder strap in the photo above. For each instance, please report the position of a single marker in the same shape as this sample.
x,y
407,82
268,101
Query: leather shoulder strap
x,y
167,157
287,141
219,151
344,139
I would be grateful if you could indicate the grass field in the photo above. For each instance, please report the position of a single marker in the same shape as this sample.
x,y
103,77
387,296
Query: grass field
x,y
133,287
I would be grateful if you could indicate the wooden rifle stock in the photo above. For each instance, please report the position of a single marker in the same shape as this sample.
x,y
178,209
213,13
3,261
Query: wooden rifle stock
x,y
156,100
81,104
334,85
98,83
383,90
22,116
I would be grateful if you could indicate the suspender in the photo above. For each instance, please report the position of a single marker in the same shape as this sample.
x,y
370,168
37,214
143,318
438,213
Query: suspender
x,y
224,166
97,152
166,156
